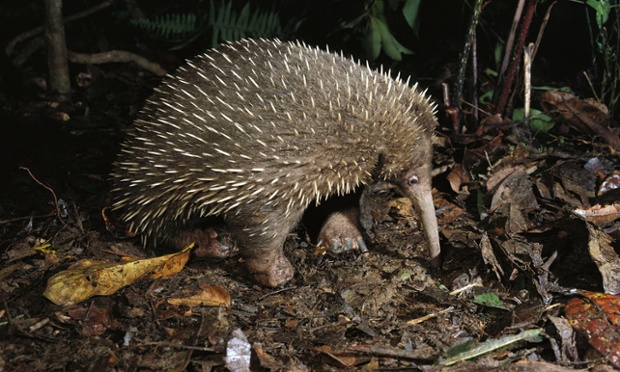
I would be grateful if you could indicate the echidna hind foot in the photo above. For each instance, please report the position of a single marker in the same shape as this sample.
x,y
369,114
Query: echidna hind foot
x,y
260,233
341,231
208,242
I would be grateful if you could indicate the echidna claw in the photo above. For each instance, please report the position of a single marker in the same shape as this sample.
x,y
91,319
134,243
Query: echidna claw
x,y
362,244
336,246
340,245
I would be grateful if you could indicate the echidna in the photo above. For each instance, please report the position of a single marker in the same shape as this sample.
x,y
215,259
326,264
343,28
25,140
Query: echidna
x,y
257,130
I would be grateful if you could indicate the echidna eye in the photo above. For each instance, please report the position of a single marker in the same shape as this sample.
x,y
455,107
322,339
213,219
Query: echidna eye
x,y
413,180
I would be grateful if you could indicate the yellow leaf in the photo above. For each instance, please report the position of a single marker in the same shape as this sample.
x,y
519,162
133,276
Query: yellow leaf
x,y
90,278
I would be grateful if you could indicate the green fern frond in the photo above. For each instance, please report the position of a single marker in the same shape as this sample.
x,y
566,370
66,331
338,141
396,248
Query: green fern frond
x,y
227,25
223,22
169,27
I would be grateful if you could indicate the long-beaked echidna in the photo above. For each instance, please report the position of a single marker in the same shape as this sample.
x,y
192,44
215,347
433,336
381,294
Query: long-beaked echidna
x,y
257,130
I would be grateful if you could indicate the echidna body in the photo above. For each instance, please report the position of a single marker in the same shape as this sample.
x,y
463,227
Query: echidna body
x,y
257,130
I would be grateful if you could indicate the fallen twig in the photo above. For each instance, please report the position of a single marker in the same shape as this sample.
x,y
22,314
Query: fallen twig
x,y
115,56
47,188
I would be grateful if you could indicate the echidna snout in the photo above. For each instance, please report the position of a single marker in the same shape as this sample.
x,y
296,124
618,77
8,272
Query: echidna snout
x,y
255,131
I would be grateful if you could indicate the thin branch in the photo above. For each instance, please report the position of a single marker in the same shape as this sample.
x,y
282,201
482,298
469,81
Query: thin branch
x,y
47,188
460,81
115,56
508,79
511,37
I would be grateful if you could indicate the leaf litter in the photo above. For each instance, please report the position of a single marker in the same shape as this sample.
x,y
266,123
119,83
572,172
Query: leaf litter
x,y
529,276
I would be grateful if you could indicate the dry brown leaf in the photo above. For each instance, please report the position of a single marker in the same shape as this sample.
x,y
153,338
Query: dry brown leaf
x,y
599,215
457,176
403,207
207,295
344,358
486,249
606,259
611,182
267,361
500,175
94,319
514,198
449,211
582,114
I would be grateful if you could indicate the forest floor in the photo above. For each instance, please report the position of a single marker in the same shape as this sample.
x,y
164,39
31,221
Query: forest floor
x,y
522,280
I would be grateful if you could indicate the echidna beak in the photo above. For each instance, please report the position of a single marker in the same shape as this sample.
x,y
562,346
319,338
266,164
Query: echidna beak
x,y
422,199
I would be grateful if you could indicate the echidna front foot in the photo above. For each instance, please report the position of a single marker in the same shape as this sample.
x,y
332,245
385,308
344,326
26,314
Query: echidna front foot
x,y
342,232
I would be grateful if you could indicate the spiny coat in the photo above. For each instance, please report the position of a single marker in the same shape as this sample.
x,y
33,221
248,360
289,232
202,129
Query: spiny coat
x,y
256,130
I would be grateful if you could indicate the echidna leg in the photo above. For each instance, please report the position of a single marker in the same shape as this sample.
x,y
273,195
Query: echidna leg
x,y
342,231
261,240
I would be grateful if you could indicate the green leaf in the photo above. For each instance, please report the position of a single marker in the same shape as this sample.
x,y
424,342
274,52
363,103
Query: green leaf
x,y
518,115
403,275
377,9
410,12
390,45
486,97
539,122
468,350
498,53
602,9
490,300
547,87
373,39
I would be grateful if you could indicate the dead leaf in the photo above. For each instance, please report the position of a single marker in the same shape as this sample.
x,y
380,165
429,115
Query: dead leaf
x,y
596,318
95,319
567,336
599,216
238,352
457,177
582,115
501,174
344,359
208,295
489,257
90,278
514,198
605,258
172,264
611,182
267,361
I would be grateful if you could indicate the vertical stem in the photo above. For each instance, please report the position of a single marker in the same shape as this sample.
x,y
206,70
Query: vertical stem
x,y
474,76
527,79
511,37
56,49
508,79
460,81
